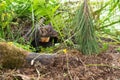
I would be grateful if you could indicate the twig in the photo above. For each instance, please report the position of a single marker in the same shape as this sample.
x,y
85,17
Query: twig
x,y
38,73
103,65
68,67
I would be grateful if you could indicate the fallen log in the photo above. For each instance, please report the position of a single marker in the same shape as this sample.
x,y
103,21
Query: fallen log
x,y
45,59
15,57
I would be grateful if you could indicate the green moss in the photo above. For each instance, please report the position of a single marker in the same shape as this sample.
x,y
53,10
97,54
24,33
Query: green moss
x,y
11,56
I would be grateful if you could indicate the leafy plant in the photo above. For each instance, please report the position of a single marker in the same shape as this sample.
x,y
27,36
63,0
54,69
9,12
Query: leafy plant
x,y
18,12
43,8
6,14
107,22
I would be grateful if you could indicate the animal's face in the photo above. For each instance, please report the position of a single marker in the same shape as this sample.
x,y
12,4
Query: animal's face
x,y
44,39
46,36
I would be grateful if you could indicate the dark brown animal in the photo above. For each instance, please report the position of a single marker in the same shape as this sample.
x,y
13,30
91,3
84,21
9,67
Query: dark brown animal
x,y
45,36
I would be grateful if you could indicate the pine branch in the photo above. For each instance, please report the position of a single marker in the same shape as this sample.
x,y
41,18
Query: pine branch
x,y
85,33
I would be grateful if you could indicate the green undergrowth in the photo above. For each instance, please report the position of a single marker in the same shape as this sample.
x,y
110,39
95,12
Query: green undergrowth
x,y
16,16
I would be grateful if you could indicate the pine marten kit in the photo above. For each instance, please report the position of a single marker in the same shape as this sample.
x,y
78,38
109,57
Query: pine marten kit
x,y
44,36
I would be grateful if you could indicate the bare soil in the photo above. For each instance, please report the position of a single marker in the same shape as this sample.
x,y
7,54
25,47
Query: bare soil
x,y
71,66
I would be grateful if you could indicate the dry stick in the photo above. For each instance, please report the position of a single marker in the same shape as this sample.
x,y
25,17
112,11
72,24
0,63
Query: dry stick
x,y
33,60
24,77
83,64
38,73
45,75
68,67
5,75
102,65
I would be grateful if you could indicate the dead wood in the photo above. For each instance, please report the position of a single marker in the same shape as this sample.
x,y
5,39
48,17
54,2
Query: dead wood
x,y
14,57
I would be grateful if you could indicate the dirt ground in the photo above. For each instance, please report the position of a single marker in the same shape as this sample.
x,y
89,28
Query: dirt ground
x,y
71,66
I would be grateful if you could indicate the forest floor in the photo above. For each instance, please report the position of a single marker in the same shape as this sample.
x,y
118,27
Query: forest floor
x,y
71,66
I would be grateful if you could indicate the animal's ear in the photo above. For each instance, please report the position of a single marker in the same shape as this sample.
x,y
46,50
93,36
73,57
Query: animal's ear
x,y
50,25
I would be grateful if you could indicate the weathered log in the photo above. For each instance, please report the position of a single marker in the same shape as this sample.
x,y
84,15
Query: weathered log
x,y
44,59
14,57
